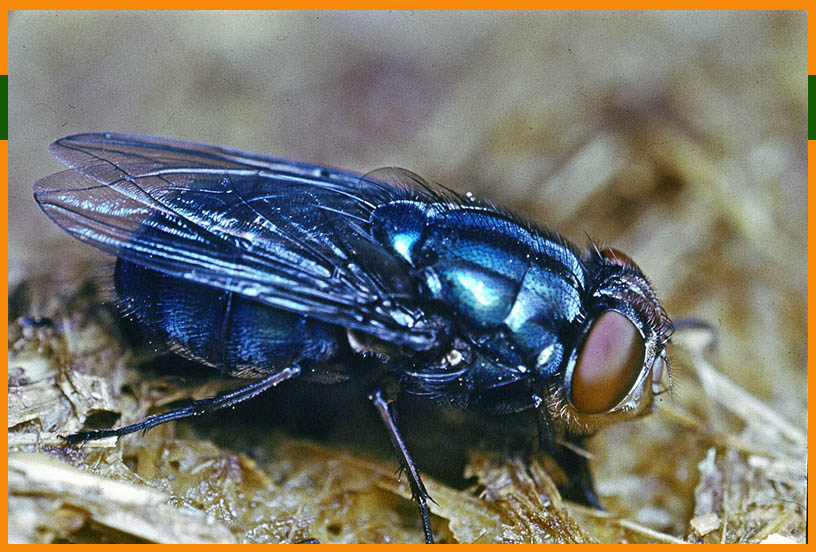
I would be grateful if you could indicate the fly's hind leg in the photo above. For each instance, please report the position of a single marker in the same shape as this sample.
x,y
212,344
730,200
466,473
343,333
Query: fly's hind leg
x,y
417,487
197,408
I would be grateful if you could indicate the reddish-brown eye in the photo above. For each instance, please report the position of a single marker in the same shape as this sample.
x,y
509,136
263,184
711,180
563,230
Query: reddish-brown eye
x,y
608,365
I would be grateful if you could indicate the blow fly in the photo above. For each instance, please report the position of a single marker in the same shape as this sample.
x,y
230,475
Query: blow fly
x,y
270,269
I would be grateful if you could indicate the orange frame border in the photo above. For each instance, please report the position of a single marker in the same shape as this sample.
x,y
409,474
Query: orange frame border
x,y
153,4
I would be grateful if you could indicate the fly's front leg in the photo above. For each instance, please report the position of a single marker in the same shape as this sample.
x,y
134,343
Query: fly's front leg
x,y
417,487
581,488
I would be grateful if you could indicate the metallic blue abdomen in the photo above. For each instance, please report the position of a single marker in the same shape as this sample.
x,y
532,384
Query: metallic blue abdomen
x,y
219,328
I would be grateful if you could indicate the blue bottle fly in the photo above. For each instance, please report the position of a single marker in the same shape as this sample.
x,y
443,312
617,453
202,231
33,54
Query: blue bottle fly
x,y
271,269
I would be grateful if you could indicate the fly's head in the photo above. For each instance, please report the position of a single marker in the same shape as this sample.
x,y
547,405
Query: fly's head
x,y
619,358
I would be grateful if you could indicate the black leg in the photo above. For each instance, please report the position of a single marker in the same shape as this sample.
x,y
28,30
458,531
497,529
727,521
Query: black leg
x,y
546,435
197,408
417,487
580,489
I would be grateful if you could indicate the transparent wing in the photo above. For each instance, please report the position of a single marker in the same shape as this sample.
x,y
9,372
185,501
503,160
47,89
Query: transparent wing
x,y
291,235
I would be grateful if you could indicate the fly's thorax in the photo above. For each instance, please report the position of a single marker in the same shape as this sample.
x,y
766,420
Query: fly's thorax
x,y
511,291
487,268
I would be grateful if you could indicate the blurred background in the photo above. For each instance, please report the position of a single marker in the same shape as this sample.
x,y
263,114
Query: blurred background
x,y
679,138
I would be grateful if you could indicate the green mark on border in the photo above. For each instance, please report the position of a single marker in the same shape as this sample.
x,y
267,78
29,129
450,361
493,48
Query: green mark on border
x,y
4,91
811,104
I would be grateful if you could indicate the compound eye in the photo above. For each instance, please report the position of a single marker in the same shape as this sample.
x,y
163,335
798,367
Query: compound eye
x,y
608,365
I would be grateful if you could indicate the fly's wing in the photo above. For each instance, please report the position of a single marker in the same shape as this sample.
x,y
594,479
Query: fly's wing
x,y
290,235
